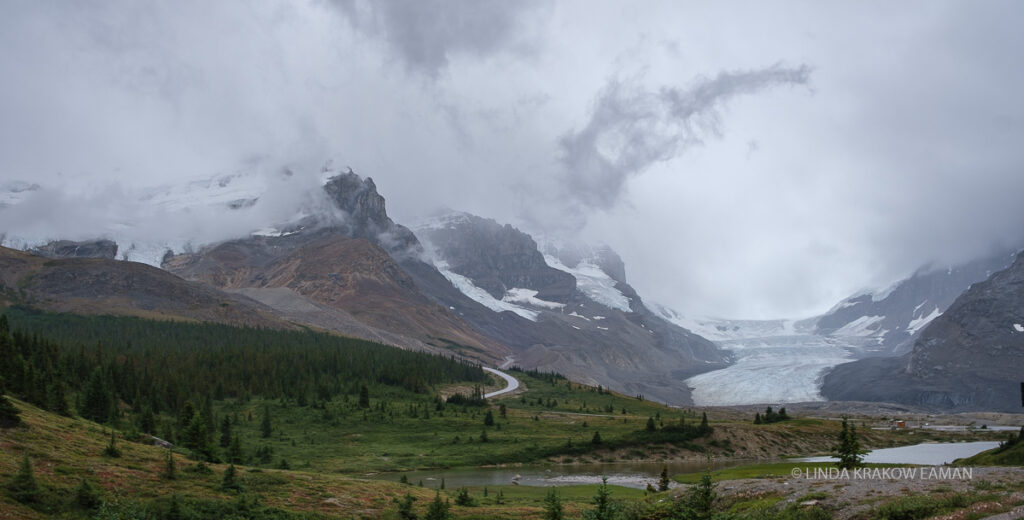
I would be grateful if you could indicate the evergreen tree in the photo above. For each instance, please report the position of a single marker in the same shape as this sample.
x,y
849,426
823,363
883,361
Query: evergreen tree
x,y
9,416
596,439
364,397
702,498
757,418
56,396
185,415
235,451
438,509
489,419
97,401
209,425
230,480
782,414
87,496
174,509
463,499
170,467
112,450
553,506
650,425
502,411
148,422
225,432
848,449
604,508
704,427
194,434
405,511
663,479
23,486
265,428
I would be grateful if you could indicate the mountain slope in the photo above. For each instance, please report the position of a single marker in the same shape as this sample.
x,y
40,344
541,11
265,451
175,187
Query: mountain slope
x,y
105,286
563,314
967,359
890,319
350,259
351,275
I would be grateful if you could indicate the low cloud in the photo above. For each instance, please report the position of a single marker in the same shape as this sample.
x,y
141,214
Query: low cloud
x,y
632,127
427,34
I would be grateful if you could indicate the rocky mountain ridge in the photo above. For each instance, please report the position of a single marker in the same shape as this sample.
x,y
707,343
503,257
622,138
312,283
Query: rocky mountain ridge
x,y
967,359
890,319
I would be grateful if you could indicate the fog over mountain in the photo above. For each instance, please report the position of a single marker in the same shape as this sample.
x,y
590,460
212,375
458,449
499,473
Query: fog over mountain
x,y
745,160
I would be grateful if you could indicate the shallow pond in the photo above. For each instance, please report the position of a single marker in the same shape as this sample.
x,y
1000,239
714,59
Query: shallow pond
x,y
638,475
634,475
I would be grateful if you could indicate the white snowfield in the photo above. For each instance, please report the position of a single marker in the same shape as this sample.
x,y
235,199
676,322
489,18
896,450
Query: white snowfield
x,y
860,327
594,283
467,287
529,297
511,383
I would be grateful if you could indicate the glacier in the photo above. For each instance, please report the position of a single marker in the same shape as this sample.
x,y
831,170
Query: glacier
x,y
773,369
776,361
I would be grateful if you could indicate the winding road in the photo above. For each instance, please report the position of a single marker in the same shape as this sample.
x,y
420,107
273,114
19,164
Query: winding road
x,y
512,383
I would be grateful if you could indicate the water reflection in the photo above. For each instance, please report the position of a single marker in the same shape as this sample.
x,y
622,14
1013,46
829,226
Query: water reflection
x,y
929,454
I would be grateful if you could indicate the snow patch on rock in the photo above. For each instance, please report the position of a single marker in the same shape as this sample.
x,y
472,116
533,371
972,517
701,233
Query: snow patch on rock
x,y
467,287
918,323
594,283
860,327
529,297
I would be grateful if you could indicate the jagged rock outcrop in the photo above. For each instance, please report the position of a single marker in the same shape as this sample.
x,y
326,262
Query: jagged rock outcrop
x,y
366,213
85,249
969,358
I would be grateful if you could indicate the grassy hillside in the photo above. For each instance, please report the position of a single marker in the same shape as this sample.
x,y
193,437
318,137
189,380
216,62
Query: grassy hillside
x,y
64,452
1009,453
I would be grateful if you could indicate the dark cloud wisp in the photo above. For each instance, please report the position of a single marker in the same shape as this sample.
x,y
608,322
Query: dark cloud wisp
x,y
631,128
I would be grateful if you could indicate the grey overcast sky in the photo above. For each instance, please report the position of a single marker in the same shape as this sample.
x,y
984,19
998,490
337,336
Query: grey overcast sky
x,y
747,159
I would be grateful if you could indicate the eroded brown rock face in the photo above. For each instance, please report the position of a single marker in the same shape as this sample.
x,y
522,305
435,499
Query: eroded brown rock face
x,y
349,274
104,286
